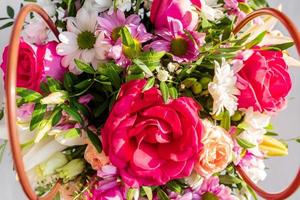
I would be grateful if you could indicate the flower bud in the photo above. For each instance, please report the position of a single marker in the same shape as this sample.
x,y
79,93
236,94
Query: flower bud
x,y
272,147
162,75
197,88
43,128
205,81
49,166
237,116
189,82
71,170
55,98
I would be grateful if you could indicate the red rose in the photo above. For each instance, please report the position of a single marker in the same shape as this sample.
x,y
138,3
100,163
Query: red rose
x,y
264,81
35,63
151,142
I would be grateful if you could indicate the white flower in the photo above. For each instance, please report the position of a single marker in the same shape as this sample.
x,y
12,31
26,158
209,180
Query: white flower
x,y
97,5
162,75
172,67
211,10
256,169
49,6
194,180
36,32
81,41
254,124
223,89
123,5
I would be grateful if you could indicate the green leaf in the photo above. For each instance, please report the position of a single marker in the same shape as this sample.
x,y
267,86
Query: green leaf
x,y
142,66
282,46
73,113
269,133
37,115
252,192
131,77
68,81
229,180
164,91
1,114
57,196
84,67
151,59
2,149
112,71
149,84
81,108
127,39
298,140
162,195
101,108
10,12
72,133
95,140
148,192
8,24
173,92
174,186
54,85
245,7
84,84
243,143
131,193
57,114
256,40
28,95
225,121
44,87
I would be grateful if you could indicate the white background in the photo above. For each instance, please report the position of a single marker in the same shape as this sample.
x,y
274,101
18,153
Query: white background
x,y
281,170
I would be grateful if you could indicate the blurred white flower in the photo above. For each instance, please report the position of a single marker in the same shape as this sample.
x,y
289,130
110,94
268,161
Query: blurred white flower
x,y
36,32
163,75
97,5
123,5
212,10
223,89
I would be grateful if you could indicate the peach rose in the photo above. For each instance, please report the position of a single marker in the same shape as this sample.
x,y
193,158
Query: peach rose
x,y
217,150
91,155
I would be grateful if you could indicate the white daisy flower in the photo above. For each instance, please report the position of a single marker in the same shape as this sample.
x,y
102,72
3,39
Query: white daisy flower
x,y
97,5
212,10
81,41
223,89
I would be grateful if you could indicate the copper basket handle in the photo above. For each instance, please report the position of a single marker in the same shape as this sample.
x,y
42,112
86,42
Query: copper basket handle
x,y
296,37
11,98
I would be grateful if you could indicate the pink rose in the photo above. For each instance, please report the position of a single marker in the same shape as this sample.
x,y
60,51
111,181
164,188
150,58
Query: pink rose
x,y
35,63
263,81
182,10
151,142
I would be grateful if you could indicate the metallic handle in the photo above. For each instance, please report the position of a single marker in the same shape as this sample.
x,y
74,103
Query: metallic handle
x,y
296,37
11,97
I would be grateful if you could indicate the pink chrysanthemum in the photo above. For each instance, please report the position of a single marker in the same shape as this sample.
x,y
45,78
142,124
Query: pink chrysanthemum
x,y
182,44
111,24
212,188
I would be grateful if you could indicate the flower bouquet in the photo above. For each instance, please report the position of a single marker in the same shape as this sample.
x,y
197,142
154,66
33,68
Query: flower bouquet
x,y
162,99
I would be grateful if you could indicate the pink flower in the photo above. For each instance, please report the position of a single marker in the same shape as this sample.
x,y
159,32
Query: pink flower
x,y
232,7
182,10
85,99
151,142
176,41
111,23
212,186
108,187
34,64
263,81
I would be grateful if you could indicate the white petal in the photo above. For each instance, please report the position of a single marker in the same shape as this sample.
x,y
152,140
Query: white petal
x,y
65,49
88,55
66,61
68,38
82,19
72,26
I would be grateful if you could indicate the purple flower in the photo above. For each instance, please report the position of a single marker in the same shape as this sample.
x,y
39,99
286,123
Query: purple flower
x,y
108,187
111,24
211,187
182,44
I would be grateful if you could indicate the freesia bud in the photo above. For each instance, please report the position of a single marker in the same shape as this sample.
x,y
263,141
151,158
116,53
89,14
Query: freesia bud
x,y
71,170
272,147
49,167
43,128
55,98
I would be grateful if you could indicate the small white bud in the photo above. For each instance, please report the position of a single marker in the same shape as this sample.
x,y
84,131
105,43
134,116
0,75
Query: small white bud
x,y
55,98
162,75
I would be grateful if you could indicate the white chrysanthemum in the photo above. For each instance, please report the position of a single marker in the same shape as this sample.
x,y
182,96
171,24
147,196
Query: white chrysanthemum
x,y
212,10
97,5
123,5
223,89
81,41
162,75
254,124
